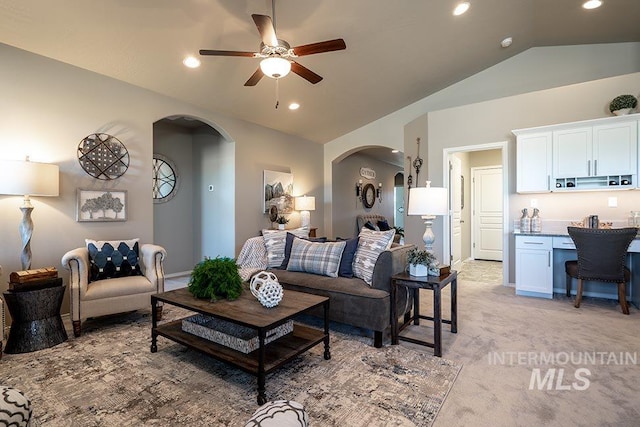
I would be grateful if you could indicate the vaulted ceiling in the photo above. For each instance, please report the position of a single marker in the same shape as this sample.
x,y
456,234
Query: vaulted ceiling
x,y
397,51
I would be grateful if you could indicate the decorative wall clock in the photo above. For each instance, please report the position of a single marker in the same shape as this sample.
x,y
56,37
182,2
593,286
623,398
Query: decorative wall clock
x,y
165,179
368,196
103,156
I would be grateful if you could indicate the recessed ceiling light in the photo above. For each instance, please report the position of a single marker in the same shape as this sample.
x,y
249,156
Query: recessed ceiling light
x,y
506,42
294,106
461,8
191,62
592,4
395,151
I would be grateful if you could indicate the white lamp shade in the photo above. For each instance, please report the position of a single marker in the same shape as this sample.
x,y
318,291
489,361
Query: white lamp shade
x,y
29,178
305,203
275,67
428,201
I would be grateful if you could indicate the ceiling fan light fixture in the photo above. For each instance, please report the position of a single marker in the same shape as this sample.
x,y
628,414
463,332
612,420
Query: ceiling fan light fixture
x,y
294,106
461,8
191,62
275,67
592,4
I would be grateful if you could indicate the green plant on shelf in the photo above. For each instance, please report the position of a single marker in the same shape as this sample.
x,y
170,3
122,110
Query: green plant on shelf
x,y
421,257
623,101
282,219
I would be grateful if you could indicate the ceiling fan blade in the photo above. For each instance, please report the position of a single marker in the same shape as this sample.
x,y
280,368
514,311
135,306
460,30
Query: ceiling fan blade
x,y
255,78
266,30
226,53
320,47
305,73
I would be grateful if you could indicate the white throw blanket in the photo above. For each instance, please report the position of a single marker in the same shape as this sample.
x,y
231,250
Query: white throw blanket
x,y
252,257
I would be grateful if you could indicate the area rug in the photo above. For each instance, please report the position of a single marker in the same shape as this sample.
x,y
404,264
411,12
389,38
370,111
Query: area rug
x,y
109,377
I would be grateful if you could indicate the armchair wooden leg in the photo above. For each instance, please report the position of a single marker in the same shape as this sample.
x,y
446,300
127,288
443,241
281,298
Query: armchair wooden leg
x,y
578,294
377,339
622,298
77,328
158,313
568,285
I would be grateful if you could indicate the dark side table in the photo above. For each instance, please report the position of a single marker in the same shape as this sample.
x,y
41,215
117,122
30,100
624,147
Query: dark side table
x,y
35,319
435,284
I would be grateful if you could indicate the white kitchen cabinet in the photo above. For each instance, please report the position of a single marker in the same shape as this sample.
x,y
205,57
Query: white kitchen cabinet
x,y
533,169
534,266
615,149
572,152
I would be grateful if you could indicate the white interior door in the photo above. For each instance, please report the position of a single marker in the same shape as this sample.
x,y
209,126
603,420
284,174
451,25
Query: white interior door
x,y
455,179
487,213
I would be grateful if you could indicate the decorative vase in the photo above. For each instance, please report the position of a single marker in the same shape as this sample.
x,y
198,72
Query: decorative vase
x,y
280,226
418,270
266,288
623,111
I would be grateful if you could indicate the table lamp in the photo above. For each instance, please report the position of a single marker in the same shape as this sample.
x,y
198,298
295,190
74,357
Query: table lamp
x,y
28,179
305,204
428,202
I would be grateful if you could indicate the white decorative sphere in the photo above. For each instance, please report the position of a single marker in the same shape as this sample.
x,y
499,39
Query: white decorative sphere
x,y
266,288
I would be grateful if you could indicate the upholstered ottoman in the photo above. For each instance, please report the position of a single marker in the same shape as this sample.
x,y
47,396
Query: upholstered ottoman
x,y
279,413
15,408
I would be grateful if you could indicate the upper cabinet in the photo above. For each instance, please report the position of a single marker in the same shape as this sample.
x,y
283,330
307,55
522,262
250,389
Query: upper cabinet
x,y
593,154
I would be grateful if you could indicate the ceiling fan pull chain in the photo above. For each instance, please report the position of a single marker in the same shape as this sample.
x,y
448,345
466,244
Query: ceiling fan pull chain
x,y
277,93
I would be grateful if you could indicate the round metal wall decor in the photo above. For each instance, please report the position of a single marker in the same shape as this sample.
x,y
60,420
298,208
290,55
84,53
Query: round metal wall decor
x,y
103,156
165,179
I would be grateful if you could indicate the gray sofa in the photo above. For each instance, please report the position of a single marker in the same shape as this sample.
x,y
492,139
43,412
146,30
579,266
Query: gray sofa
x,y
352,301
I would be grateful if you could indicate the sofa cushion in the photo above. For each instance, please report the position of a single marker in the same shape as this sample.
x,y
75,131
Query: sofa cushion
x,y
113,258
315,257
383,225
346,263
275,241
370,245
371,226
289,243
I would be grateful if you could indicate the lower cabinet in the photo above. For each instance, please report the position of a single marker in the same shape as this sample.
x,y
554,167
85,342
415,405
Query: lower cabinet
x,y
534,266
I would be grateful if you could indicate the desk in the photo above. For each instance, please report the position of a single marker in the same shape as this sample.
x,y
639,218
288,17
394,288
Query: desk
x,y
36,321
434,284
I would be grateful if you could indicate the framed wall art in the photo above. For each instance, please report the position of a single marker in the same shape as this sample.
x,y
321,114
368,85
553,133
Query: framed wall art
x,y
101,205
278,191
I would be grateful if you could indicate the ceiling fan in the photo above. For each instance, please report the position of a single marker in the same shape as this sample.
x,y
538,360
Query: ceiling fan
x,y
277,55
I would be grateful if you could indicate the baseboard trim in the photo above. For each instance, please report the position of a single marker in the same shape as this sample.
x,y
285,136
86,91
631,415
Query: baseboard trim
x,y
178,274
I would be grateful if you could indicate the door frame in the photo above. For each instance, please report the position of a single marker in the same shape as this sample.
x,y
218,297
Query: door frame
x,y
504,146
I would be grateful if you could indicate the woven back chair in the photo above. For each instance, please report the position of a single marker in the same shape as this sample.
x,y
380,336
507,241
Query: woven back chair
x,y
602,255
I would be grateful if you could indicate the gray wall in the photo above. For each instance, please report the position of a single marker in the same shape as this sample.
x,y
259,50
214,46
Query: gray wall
x,y
346,206
173,225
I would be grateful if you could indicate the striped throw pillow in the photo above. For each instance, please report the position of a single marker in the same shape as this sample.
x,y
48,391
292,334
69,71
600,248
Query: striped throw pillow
x,y
316,258
274,242
370,245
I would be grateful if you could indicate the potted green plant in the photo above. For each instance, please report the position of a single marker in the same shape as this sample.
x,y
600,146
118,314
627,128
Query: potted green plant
x,y
420,260
215,279
623,104
281,220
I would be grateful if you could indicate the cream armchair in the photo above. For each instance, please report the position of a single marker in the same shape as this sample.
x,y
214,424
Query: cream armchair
x,y
114,295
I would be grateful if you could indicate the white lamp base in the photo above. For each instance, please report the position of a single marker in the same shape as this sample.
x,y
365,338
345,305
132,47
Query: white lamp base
x,y
26,230
305,219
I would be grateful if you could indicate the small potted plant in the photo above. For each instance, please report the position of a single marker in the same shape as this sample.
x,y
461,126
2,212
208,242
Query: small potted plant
x,y
281,220
399,234
215,279
420,261
623,104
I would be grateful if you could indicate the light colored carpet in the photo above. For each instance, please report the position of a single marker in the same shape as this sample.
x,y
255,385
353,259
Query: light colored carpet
x,y
109,377
492,319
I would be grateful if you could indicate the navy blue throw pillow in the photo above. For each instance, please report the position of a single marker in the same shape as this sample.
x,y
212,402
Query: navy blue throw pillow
x,y
346,263
111,259
383,225
370,226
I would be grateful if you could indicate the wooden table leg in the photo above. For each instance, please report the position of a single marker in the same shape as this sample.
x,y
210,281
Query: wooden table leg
x,y
437,322
416,306
394,313
154,325
262,398
327,352
454,306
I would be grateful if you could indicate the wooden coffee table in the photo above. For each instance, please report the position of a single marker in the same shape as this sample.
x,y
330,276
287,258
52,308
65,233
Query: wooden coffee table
x,y
247,311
